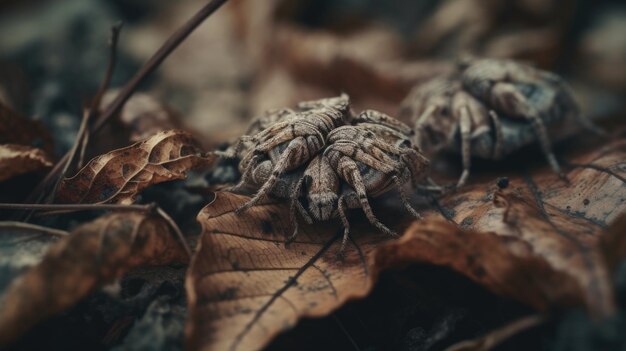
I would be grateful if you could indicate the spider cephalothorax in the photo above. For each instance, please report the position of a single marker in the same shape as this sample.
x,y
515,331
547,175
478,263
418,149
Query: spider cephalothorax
x,y
288,139
490,108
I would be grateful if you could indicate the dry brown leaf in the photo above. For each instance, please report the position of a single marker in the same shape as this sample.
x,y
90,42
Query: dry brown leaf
x,y
543,247
20,159
244,286
16,129
119,176
535,244
23,245
93,255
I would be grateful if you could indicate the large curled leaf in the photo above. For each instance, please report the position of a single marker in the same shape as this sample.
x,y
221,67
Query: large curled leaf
x,y
20,159
244,285
538,220
93,255
119,176
21,247
537,244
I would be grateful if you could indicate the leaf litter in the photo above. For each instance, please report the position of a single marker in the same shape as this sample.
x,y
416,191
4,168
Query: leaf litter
x,y
537,245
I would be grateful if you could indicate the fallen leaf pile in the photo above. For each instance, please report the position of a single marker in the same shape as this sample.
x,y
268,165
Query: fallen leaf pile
x,y
538,245
93,255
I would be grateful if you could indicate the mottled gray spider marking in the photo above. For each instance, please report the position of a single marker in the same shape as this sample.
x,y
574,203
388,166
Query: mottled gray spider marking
x,y
485,108
292,140
324,161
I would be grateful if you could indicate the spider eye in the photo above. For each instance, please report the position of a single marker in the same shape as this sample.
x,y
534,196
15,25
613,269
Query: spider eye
x,y
369,135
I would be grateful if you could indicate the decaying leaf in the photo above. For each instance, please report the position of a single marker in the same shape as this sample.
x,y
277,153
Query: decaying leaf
x,y
25,145
537,245
15,129
244,285
93,255
119,176
22,246
20,159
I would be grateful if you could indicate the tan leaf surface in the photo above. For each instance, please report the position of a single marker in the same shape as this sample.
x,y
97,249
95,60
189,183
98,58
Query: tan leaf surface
x,y
244,286
93,255
537,244
20,159
119,176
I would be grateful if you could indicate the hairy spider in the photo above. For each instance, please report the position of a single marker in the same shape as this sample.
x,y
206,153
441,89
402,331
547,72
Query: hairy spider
x,y
494,107
360,161
288,139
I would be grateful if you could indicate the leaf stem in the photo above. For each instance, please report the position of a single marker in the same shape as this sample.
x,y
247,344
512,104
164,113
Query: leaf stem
x,y
28,226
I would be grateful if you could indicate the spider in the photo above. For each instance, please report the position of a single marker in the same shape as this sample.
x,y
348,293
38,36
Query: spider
x,y
494,107
360,161
372,160
288,139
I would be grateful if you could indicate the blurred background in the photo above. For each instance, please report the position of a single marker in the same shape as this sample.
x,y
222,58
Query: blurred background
x,y
253,55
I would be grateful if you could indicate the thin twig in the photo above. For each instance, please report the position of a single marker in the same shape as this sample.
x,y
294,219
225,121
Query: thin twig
x,y
94,109
76,207
149,208
497,336
153,63
90,113
175,228
28,226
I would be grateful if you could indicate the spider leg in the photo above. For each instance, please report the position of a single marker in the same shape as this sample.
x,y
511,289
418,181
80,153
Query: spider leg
x,y
465,123
421,121
294,205
589,125
354,151
584,122
346,225
404,199
287,135
430,110
352,176
294,151
367,142
416,163
372,116
497,125
544,141
509,99
246,177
